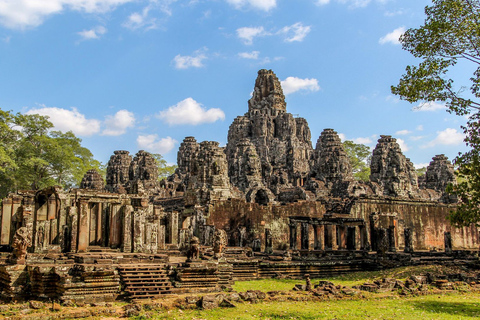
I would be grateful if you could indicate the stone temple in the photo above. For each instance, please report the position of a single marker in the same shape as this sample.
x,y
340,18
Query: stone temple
x,y
267,203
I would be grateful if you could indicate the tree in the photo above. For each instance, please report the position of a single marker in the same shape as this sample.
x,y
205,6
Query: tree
x,y
450,38
359,156
34,157
164,170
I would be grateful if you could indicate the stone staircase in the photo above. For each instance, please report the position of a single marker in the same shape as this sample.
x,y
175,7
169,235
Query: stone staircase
x,y
144,281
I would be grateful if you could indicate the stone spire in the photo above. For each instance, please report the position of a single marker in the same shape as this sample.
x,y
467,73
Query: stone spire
x,y
331,160
92,180
282,142
440,173
392,170
117,171
268,95
143,173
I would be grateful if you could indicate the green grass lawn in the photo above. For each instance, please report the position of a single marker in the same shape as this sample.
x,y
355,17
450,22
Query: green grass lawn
x,y
349,280
449,306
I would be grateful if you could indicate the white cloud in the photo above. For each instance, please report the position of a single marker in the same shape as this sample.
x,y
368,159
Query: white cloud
x,y
193,61
68,120
392,37
352,4
249,55
22,14
416,138
265,5
247,34
342,136
140,20
402,145
153,144
448,136
403,132
295,32
419,127
394,13
430,106
94,33
421,165
119,123
393,99
294,84
355,3
361,140
191,112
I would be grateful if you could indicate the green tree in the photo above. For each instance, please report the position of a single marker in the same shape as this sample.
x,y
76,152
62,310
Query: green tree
x,y
164,170
34,157
449,39
359,156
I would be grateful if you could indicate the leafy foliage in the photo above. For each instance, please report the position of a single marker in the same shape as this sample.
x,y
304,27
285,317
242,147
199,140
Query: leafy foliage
x,y
34,157
359,156
449,38
164,170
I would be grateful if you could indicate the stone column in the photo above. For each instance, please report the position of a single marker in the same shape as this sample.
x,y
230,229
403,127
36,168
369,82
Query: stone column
x,y
305,236
6,221
73,216
52,207
342,237
268,241
127,228
293,235
391,239
407,233
448,242
174,227
83,227
333,235
317,237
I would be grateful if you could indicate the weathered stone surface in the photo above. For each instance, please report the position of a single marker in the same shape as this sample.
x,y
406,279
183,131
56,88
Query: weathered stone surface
x,y
118,171
281,142
92,180
392,170
331,160
208,179
439,174
143,174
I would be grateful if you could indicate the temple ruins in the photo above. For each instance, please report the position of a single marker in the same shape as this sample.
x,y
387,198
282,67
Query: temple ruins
x,y
267,204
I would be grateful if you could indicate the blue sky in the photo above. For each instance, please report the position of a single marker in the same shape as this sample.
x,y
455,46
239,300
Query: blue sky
x,y
144,74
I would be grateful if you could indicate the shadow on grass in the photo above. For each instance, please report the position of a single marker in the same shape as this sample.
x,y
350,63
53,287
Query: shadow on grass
x,y
464,309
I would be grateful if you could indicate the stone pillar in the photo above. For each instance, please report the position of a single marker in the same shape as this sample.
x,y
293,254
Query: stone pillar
x,y
391,239
83,227
73,216
448,242
305,236
6,221
174,227
293,235
341,238
115,226
333,235
138,232
407,233
100,224
52,207
317,237
268,241
383,242
161,237
127,228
